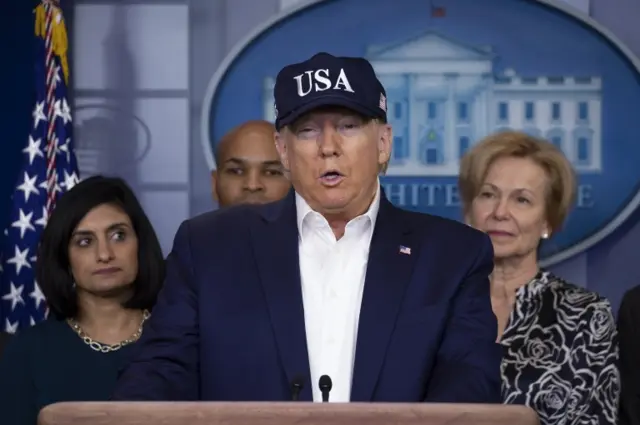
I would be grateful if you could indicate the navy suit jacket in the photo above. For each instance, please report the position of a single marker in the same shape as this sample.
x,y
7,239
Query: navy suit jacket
x,y
229,322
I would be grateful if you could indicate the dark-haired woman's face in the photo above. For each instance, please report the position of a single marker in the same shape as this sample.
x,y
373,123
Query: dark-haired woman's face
x,y
103,252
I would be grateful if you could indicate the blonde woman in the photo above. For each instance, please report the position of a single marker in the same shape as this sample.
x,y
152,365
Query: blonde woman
x,y
559,339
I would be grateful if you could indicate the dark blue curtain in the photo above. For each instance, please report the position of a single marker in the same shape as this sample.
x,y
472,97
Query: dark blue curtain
x,y
16,85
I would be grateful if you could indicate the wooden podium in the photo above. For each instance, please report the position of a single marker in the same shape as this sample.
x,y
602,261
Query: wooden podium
x,y
289,413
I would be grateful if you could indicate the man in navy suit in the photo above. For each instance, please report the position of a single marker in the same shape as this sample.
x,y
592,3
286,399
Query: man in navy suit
x,y
261,301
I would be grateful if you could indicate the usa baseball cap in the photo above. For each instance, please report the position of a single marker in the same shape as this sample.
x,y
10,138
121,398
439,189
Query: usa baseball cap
x,y
327,80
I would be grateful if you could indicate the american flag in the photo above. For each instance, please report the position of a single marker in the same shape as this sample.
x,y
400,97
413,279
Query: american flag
x,y
383,102
49,168
405,250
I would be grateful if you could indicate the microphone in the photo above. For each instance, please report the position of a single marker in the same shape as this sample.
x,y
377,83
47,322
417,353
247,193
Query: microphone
x,y
325,386
296,386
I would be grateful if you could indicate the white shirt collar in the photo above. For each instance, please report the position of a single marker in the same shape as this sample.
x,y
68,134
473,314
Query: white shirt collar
x,y
303,211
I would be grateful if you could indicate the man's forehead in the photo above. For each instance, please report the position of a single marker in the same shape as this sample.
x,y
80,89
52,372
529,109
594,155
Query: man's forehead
x,y
252,160
249,140
258,133
250,152
250,148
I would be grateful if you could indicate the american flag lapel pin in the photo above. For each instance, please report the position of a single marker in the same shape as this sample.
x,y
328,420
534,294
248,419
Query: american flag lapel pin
x,y
383,102
405,250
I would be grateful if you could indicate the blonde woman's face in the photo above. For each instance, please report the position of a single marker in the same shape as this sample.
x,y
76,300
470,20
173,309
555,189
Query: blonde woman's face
x,y
511,206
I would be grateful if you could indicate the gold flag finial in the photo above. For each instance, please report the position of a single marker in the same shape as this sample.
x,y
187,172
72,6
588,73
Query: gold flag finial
x,y
59,43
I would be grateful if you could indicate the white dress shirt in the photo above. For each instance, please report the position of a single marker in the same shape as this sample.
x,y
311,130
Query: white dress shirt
x,y
332,274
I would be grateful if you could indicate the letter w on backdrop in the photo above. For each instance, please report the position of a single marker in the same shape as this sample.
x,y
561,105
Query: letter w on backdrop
x,y
49,168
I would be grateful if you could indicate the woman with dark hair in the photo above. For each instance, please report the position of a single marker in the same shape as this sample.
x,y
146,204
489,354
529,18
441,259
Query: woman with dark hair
x,y
100,268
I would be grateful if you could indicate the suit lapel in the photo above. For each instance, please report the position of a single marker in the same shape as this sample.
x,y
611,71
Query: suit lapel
x,y
391,259
275,241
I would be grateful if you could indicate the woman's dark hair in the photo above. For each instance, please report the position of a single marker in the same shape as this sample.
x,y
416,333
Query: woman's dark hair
x,y
53,271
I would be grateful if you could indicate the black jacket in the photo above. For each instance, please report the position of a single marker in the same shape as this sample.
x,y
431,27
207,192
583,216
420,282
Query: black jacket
x,y
629,340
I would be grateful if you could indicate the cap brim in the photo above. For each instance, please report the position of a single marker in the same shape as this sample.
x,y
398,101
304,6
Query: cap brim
x,y
328,100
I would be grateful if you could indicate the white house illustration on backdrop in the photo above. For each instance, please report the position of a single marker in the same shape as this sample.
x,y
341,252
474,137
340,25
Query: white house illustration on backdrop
x,y
444,96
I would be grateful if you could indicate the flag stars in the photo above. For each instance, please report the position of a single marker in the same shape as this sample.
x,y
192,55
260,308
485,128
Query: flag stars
x,y
33,149
61,109
10,327
24,222
42,221
37,295
19,259
70,180
38,114
54,144
63,149
45,186
56,77
28,186
14,296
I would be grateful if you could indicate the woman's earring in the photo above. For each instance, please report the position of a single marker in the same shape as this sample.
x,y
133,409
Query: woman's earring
x,y
545,235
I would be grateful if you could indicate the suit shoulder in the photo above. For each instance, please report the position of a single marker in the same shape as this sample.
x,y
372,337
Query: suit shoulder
x,y
230,218
453,239
454,230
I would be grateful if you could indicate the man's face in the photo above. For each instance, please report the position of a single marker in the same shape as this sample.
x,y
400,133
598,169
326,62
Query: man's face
x,y
249,170
334,157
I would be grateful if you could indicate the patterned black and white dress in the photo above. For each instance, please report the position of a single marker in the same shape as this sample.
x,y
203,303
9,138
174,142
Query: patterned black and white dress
x,y
561,354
